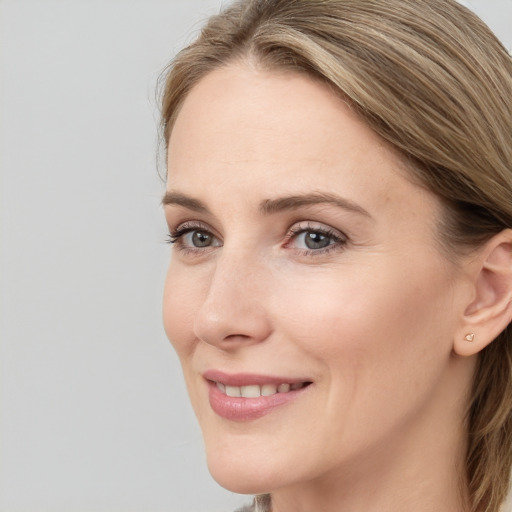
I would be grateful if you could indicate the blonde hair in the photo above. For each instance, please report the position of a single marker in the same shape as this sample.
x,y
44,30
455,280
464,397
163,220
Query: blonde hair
x,y
431,79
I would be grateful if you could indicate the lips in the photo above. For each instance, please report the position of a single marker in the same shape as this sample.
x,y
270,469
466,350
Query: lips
x,y
243,397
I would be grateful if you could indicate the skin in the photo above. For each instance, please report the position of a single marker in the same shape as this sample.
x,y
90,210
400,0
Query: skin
x,y
370,322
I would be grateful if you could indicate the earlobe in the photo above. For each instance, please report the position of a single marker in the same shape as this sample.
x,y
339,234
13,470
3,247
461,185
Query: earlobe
x,y
490,310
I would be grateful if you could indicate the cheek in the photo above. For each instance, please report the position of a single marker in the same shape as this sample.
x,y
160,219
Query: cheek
x,y
179,307
380,341
374,300
375,324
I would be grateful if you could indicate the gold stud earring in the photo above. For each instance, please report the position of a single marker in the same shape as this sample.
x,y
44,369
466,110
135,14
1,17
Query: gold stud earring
x,y
469,337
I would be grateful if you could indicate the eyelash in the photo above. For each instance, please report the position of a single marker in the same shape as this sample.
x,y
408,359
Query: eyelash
x,y
175,237
338,239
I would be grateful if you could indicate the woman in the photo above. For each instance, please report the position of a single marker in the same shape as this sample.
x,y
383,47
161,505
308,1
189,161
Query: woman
x,y
339,198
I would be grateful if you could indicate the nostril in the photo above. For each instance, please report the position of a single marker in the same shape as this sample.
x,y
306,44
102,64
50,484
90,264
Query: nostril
x,y
224,321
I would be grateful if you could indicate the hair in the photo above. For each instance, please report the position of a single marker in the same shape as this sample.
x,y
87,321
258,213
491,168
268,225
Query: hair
x,y
431,79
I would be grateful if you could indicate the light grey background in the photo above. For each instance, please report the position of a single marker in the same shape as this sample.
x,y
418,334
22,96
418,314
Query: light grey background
x,y
94,415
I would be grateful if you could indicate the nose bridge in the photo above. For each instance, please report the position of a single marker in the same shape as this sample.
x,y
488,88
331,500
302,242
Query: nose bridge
x,y
233,308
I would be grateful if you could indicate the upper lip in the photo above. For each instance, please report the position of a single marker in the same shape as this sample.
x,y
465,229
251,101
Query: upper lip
x,y
246,379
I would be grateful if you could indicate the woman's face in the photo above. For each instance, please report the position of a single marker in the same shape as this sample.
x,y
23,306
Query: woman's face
x,y
305,276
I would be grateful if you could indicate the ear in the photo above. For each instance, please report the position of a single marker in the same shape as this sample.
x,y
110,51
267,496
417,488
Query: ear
x,y
490,310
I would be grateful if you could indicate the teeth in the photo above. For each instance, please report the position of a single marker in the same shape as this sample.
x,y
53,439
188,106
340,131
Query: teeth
x,y
250,391
268,390
254,391
233,391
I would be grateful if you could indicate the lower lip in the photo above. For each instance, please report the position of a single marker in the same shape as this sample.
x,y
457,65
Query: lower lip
x,y
247,409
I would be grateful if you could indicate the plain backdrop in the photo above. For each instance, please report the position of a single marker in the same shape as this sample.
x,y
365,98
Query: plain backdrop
x,y
94,414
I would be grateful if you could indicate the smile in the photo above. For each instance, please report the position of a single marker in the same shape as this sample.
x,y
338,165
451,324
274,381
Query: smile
x,y
243,397
256,390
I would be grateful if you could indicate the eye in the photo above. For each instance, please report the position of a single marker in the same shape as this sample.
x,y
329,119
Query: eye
x,y
191,237
197,239
312,239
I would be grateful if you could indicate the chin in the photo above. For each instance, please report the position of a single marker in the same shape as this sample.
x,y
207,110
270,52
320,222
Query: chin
x,y
246,480
243,474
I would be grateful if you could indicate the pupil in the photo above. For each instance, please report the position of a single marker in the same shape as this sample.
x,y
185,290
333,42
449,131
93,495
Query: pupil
x,y
201,239
316,240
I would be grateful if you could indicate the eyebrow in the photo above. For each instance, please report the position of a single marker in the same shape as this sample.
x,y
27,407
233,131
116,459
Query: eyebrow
x,y
271,206
294,202
178,199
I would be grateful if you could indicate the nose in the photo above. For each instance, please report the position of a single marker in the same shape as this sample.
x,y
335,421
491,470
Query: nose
x,y
234,311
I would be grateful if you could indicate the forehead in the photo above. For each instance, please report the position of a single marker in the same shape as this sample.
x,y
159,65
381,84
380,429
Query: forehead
x,y
251,107
265,132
